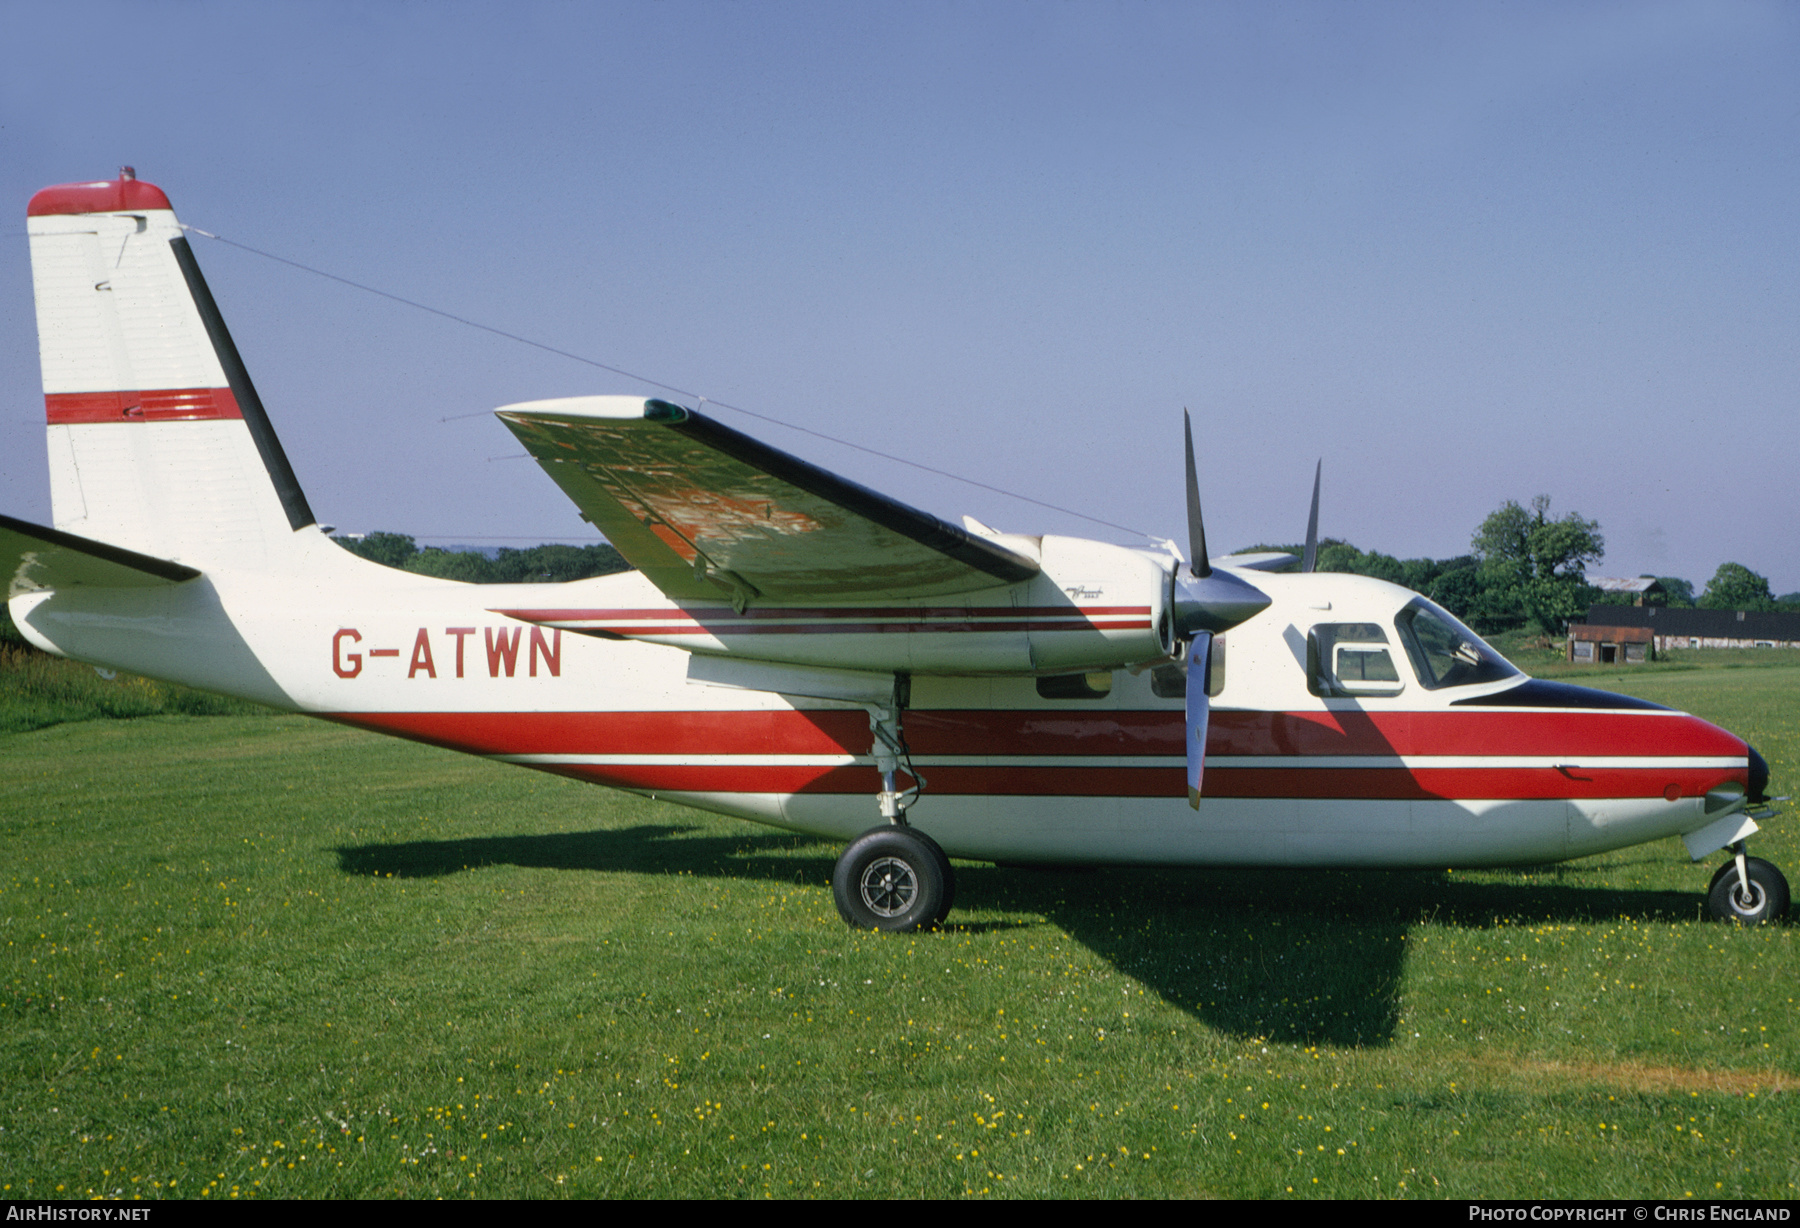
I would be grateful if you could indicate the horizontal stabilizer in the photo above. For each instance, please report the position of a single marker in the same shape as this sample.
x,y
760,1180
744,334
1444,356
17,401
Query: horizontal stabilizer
x,y
39,560
707,512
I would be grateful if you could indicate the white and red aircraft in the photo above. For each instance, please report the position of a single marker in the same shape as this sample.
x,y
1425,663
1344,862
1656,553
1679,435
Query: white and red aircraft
x,y
801,651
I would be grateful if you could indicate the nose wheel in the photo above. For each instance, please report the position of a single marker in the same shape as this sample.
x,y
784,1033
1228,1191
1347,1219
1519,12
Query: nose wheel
x,y
895,879
1747,890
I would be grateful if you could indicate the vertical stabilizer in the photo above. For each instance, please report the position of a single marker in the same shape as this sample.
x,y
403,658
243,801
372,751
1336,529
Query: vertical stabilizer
x,y
157,440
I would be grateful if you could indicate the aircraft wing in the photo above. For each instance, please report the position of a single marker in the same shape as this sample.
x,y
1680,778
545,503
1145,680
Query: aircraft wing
x,y
706,512
37,559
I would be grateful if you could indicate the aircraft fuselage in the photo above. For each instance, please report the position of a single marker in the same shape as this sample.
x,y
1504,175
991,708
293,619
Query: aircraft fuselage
x,y
1507,772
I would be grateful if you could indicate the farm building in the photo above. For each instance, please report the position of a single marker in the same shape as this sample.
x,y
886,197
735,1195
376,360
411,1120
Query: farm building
x,y
1597,645
1668,629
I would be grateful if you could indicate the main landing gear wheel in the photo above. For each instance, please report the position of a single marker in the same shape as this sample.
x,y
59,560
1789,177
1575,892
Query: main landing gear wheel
x,y
1767,899
895,879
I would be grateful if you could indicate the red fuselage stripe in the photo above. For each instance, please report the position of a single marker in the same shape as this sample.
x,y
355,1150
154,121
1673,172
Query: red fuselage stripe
x,y
842,620
706,627
791,612
1566,734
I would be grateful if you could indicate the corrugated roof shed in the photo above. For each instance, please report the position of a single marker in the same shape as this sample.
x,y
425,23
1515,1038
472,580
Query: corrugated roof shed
x,y
1627,584
1713,624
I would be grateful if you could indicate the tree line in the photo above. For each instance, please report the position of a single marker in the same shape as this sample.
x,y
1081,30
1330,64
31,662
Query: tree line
x,y
551,562
1527,568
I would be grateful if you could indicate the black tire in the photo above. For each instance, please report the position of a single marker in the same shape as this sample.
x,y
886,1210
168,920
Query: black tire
x,y
894,879
943,860
1767,901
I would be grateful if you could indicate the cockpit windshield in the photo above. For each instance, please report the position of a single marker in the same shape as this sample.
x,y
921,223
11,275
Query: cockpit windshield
x,y
1445,653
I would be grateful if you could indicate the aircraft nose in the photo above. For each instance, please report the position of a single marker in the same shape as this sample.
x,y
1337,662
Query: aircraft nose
x,y
1759,777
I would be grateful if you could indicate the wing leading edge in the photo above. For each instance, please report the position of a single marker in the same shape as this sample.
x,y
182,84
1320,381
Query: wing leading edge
x,y
706,512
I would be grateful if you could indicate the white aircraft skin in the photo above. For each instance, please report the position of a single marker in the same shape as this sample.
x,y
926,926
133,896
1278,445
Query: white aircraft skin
x,y
183,550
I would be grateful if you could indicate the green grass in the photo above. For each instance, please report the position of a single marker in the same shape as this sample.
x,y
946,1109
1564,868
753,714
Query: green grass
x,y
38,690
272,957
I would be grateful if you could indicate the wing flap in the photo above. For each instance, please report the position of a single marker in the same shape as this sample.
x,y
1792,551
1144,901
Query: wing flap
x,y
706,512
37,559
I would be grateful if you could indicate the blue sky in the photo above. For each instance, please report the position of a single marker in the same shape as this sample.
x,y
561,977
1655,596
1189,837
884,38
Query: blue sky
x,y
1463,253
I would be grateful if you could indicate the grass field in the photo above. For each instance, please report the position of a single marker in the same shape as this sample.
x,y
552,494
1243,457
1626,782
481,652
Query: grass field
x,y
263,956
38,690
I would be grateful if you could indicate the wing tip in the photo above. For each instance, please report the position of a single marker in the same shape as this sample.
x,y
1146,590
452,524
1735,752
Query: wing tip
x,y
613,408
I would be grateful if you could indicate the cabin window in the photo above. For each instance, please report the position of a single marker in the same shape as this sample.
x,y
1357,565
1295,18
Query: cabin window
x,y
1350,659
1170,681
1097,685
1445,653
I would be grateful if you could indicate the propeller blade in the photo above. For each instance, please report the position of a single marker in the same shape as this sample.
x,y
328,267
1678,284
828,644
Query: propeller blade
x,y
1199,710
1311,560
1197,558
1207,600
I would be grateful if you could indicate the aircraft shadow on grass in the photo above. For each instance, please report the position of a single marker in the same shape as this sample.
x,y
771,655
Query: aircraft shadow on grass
x,y
1295,956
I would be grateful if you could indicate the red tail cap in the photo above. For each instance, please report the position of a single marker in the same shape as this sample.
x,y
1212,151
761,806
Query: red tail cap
x,y
107,196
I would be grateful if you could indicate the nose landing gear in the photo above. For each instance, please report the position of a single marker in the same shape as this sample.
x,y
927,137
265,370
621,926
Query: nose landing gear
x,y
1747,890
